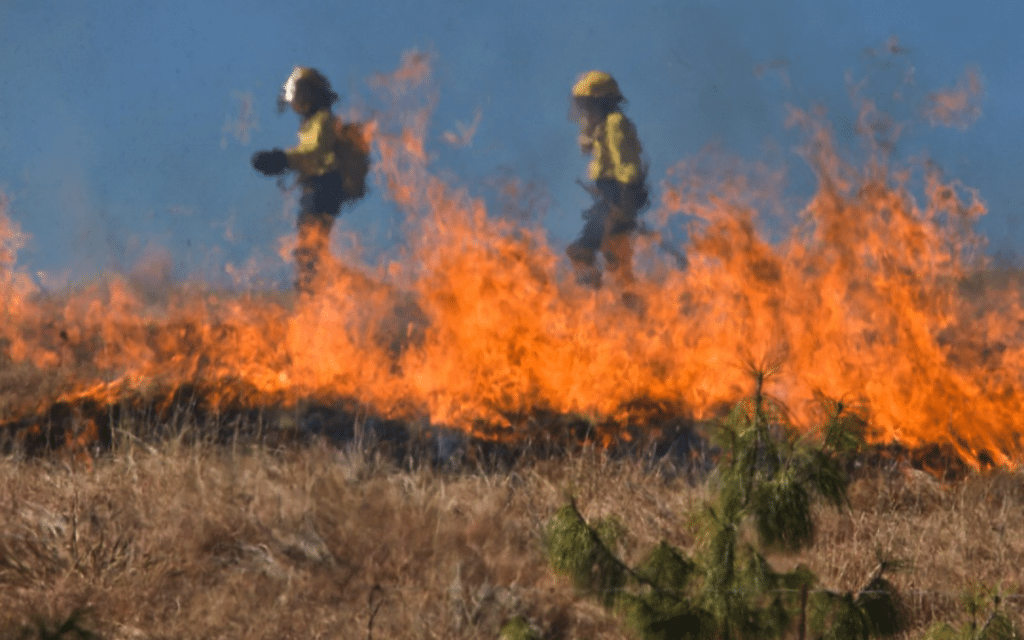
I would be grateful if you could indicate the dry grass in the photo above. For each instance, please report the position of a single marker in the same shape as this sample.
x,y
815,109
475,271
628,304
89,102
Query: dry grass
x,y
953,537
208,542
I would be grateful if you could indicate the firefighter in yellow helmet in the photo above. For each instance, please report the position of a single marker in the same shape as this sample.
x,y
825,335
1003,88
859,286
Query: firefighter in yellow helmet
x,y
619,182
331,166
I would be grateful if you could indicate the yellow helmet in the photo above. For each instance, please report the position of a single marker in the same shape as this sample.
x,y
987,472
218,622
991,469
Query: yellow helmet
x,y
596,84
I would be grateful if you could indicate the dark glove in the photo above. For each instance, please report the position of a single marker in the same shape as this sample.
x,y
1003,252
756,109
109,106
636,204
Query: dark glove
x,y
270,163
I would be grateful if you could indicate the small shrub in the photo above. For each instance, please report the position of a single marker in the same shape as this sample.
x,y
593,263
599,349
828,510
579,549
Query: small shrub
x,y
767,474
71,627
584,552
517,629
986,619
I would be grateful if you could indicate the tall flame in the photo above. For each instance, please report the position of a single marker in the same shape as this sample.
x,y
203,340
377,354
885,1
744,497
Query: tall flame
x,y
480,323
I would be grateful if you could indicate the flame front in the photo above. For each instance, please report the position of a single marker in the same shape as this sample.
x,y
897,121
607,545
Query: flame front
x,y
480,321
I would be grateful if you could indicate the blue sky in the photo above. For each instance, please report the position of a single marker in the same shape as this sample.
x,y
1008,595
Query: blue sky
x,y
115,117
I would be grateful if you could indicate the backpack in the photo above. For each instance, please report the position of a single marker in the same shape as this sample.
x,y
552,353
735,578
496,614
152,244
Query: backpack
x,y
352,149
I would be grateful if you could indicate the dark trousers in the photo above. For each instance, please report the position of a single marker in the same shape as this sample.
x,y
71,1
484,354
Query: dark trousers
x,y
320,202
609,226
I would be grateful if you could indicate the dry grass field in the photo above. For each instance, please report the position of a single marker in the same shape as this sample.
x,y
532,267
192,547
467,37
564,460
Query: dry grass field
x,y
173,540
152,484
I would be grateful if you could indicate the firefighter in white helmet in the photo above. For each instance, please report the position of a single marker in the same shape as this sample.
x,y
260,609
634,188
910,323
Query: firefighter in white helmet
x,y
619,182
331,160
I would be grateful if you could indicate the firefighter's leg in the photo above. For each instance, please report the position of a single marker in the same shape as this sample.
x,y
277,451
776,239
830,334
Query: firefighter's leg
x,y
617,245
311,248
617,241
583,250
618,255
319,205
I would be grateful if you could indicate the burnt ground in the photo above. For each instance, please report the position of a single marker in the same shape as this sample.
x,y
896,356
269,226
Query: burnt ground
x,y
658,434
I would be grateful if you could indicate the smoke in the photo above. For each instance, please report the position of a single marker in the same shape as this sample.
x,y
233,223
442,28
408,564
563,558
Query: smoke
x,y
463,136
151,275
12,239
240,126
959,106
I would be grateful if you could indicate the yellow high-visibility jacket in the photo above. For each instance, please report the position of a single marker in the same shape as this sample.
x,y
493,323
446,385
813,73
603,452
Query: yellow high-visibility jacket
x,y
615,150
315,154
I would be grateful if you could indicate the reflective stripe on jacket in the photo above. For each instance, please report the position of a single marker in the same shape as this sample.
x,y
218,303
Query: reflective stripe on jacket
x,y
314,155
616,151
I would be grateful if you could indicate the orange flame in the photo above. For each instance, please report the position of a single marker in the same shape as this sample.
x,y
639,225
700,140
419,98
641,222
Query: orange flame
x,y
480,322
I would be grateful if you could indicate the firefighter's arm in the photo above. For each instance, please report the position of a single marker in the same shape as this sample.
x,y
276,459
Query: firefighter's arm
x,y
270,163
590,133
586,143
623,149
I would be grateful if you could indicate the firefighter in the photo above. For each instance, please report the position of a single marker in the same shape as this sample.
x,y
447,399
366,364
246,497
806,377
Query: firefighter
x,y
330,161
619,183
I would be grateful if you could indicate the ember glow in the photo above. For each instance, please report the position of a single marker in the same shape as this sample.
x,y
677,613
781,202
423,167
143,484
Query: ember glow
x,y
479,325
